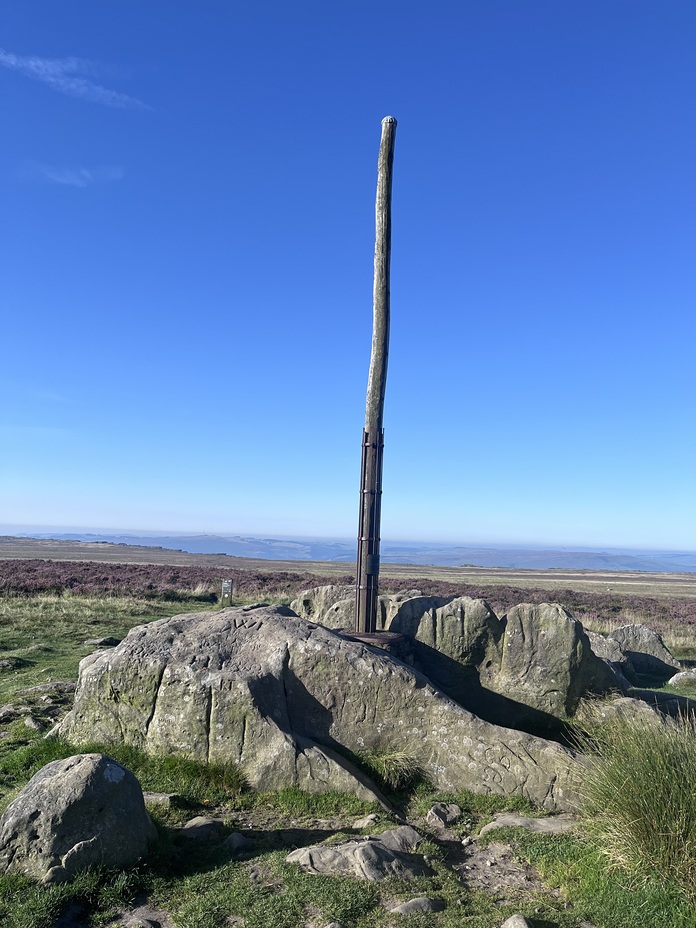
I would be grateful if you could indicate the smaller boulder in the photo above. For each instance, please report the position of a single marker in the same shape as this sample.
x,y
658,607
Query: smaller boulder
x,y
683,678
202,828
443,814
79,812
646,651
516,921
374,858
237,843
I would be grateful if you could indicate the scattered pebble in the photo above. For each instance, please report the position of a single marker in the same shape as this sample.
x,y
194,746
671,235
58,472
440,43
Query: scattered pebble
x,y
158,799
237,843
202,827
421,904
443,814
365,822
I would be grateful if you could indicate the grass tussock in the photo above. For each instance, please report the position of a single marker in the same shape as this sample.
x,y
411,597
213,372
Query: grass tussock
x,y
395,770
639,800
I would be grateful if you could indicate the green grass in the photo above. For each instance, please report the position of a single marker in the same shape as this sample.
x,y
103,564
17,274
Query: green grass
x,y
639,799
47,632
200,886
25,904
688,692
295,803
280,895
607,898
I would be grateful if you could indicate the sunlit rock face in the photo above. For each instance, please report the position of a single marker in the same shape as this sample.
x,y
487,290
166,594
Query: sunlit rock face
x,y
285,698
537,658
83,811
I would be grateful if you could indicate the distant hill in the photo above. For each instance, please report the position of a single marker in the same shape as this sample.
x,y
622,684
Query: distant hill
x,y
298,549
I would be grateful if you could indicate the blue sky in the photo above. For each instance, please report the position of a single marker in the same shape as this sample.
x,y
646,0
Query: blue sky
x,y
186,252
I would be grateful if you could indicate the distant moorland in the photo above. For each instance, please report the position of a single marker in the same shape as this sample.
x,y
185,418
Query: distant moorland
x,y
445,555
601,599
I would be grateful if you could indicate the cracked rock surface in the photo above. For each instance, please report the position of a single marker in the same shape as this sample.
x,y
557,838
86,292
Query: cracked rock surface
x,y
285,699
537,658
374,858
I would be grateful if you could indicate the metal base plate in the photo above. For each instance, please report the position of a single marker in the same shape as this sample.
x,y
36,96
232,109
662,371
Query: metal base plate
x,y
377,638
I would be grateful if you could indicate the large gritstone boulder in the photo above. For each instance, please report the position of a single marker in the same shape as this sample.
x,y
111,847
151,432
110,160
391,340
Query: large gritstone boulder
x,y
529,667
286,699
84,811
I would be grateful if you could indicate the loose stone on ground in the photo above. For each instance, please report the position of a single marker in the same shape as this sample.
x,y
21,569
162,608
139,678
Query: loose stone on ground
x,y
550,825
443,814
374,858
84,811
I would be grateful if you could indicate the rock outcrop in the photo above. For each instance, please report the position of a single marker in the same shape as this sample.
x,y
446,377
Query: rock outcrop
x,y
546,661
646,651
609,650
537,658
287,699
84,811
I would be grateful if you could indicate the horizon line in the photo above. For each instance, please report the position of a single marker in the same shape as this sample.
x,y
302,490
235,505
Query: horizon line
x,y
18,530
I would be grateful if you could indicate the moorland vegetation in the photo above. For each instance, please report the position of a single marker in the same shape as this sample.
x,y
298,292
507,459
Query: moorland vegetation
x,y
631,862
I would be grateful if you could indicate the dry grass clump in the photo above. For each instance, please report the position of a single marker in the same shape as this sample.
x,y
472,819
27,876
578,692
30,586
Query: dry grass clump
x,y
639,799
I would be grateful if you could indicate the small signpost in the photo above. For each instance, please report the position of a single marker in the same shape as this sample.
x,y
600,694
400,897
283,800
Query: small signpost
x,y
226,598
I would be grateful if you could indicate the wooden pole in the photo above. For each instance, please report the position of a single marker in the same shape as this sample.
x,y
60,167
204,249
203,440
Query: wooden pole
x,y
367,582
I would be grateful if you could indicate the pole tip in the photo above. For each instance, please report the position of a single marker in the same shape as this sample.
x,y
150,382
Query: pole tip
x,y
389,120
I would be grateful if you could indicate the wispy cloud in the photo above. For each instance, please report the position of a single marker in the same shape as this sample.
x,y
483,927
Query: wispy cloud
x,y
71,76
72,177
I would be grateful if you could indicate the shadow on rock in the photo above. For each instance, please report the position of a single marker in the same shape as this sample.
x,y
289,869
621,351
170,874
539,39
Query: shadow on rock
x,y
463,684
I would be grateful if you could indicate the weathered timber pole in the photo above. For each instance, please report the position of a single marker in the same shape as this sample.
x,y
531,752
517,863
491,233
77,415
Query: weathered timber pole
x,y
367,582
